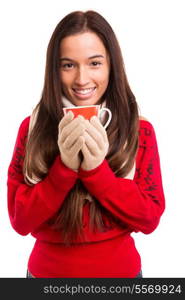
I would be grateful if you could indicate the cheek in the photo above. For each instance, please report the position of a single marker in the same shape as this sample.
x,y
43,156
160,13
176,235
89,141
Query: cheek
x,y
103,78
103,81
65,79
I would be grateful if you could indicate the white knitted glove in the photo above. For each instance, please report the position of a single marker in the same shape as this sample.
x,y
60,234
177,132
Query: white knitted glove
x,y
95,146
70,140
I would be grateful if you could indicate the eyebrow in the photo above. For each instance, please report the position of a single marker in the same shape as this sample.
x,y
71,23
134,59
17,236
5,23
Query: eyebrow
x,y
91,57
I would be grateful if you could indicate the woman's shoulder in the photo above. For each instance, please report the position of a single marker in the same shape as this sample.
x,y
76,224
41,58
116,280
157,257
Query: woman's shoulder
x,y
25,121
24,125
144,122
141,118
146,129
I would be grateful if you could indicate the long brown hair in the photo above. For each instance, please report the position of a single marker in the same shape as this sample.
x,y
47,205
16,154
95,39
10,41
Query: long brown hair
x,y
122,131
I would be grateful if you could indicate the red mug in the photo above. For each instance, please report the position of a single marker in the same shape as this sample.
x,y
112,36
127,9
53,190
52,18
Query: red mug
x,y
89,111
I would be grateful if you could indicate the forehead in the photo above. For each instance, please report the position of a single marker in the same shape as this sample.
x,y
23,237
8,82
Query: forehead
x,y
82,45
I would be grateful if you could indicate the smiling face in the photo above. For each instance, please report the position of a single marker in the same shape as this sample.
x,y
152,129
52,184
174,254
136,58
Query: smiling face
x,y
84,68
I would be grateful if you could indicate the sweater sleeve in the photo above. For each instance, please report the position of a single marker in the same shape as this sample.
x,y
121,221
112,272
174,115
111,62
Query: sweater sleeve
x,y
137,203
31,206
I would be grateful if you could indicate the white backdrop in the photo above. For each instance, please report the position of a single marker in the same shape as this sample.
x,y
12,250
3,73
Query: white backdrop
x,y
151,35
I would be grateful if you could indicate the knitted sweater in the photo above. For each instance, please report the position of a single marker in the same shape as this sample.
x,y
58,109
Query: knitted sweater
x,y
137,205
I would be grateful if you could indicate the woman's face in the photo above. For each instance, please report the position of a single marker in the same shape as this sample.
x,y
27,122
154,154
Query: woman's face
x,y
84,70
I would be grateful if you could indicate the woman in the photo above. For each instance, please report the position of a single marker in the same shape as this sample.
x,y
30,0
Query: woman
x,y
79,189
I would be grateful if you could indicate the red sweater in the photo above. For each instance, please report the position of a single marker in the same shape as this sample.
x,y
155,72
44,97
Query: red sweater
x,y
137,204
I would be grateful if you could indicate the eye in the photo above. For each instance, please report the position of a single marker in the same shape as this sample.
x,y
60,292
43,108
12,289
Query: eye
x,y
67,66
96,63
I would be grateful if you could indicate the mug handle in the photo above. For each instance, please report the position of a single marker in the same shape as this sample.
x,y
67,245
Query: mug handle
x,y
109,113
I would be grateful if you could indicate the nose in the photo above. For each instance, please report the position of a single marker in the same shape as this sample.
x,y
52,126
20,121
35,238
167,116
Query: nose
x,y
82,77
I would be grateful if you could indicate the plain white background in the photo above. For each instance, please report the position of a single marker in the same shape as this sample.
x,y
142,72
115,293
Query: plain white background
x,y
151,35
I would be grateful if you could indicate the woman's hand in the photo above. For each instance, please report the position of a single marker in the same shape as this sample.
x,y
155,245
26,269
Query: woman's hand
x,y
70,140
95,146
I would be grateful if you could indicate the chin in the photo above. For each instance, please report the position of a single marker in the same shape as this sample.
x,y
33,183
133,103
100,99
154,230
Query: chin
x,y
85,102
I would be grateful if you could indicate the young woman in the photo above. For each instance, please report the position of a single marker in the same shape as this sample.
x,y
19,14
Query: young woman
x,y
79,189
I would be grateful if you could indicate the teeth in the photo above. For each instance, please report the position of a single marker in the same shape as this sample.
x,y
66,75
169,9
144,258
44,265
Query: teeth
x,y
84,92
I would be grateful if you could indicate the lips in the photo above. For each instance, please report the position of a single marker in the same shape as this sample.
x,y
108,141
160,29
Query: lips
x,y
84,93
